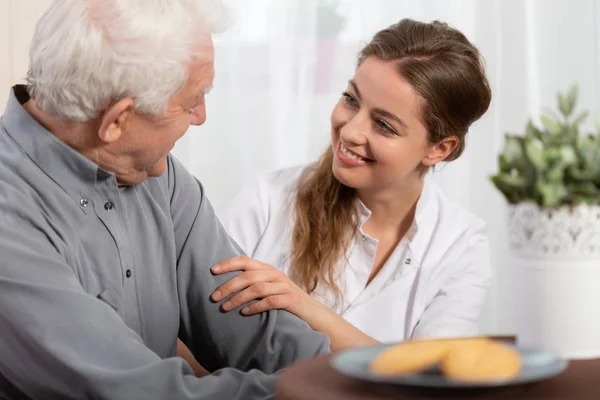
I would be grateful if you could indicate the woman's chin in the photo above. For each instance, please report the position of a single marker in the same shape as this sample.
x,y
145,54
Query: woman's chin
x,y
345,177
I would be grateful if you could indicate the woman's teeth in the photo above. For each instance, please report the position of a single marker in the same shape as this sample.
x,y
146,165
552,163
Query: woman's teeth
x,y
350,154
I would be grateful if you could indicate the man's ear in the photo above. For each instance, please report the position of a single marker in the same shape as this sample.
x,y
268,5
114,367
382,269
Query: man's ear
x,y
114,119
440,151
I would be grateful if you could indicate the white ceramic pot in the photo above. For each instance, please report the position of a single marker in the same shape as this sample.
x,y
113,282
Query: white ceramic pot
x,y
556,259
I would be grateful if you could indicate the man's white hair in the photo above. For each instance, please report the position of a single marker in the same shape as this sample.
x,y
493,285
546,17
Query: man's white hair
x,y
87,53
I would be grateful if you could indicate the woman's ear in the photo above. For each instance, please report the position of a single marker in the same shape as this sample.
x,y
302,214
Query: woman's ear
x,y
438,152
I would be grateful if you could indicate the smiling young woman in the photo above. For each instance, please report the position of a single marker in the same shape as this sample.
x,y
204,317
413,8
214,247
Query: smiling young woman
x,y
366,247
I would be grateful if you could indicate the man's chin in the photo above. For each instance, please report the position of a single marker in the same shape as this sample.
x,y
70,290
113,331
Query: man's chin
x,y
132,179
159,168
140,176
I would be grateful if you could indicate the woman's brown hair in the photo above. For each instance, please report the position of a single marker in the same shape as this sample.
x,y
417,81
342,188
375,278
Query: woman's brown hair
x,y
447,71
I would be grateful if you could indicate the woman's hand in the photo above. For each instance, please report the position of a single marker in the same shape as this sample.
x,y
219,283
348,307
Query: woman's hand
x,y
262,282
274,290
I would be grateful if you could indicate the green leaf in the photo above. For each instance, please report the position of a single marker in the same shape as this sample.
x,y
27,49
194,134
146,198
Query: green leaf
x,y
572,98
563,106
553,127
591,154
575,199
568,156
513,150
580,118
597,121
532,132
552,194
585,189
579,174
550,113
583,143
552,155
509,180
535,153
513,187
583,193
556,173
503,164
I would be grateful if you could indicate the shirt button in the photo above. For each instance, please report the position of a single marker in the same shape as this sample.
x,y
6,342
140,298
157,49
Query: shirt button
x,y
128,273
108,206
84,202
407,261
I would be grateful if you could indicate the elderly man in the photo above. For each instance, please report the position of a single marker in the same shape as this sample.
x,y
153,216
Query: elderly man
x,y
105,239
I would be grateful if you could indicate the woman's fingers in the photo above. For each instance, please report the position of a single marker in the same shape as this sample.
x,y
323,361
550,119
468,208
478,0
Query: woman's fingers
x,y
259,290
243,281
275,302
242,263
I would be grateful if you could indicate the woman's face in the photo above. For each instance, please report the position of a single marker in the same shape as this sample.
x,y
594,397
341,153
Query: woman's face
x,y
377,135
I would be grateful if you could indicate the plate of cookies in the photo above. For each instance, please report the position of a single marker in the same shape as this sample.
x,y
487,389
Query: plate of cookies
x,y
449,363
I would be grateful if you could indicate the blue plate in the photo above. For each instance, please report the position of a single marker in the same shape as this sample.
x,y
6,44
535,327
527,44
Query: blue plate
x,y
537,365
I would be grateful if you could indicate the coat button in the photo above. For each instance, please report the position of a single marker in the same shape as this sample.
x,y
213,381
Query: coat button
x,y
108,206
128,273
84,202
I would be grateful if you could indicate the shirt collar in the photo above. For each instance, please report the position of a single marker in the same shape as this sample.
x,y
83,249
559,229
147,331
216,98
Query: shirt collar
x,y
73,172
423,226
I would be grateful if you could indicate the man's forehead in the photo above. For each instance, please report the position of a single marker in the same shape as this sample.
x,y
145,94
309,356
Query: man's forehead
x,y
201,69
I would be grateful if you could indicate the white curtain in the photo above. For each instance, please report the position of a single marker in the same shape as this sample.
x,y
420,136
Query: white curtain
x,y
283,64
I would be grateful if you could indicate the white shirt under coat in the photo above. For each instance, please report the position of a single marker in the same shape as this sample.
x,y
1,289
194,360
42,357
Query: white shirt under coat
x,y
432,285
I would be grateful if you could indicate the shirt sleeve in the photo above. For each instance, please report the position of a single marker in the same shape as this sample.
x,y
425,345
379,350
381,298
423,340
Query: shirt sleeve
x,y
247,215
456,308
59,342
267,341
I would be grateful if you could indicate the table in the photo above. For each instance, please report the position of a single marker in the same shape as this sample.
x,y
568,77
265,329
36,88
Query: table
x,y
315,379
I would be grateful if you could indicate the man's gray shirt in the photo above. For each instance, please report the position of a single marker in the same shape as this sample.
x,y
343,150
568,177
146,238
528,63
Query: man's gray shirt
x,y
98,281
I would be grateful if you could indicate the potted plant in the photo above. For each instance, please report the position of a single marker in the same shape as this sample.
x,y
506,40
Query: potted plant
x,y
550,176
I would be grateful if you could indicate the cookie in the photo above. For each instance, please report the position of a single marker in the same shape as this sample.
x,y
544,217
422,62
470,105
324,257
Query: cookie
x,y
410,357
481,361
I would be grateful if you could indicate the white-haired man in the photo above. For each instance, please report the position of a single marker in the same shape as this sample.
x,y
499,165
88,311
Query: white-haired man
x,y
106,240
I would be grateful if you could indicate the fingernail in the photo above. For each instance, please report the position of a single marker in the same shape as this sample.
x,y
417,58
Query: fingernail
x,y
216,295
245,310
227,305
216,268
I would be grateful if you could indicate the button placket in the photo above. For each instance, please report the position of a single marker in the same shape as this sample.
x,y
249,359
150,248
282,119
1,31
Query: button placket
x,y
409,264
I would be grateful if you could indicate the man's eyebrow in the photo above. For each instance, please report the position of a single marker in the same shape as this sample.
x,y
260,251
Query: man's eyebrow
x,y
203,92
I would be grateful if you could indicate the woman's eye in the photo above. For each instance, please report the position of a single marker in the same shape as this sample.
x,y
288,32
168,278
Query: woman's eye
x,y
349,99
384,126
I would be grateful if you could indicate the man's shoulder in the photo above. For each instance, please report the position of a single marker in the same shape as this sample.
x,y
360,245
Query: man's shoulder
x,y
29,201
